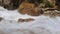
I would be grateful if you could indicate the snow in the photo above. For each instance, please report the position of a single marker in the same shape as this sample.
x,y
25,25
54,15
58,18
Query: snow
x,y
41,24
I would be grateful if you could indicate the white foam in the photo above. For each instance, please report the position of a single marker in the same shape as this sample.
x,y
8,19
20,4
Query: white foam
x,y
42,24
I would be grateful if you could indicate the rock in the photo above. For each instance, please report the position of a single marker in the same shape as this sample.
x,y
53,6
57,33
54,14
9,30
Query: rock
x,y
52,12
10,4
7,4
1,2
1,19
14,4
28,8
58,4
25,20
36,2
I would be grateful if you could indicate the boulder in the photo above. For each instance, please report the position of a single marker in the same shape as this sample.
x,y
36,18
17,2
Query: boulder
x,y
58,4
10,4
28,8
0,2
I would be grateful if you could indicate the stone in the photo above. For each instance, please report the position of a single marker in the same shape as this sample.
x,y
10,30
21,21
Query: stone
x,y
25,20
10,4
1,2
28,8
1,19
58,4
52,12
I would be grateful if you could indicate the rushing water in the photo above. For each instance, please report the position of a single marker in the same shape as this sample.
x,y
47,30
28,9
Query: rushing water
x,y
41,25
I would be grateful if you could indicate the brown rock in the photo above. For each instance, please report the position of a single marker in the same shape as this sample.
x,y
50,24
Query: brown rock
x,y
28,8
25,20
58,4
52,12
1,2
1,18
10,4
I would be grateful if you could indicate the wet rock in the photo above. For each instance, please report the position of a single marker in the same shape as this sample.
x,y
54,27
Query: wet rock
x,y
1,19
25,20
58,4
36,2
1,2
25,7
10,4
28,8
14,4
52,12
